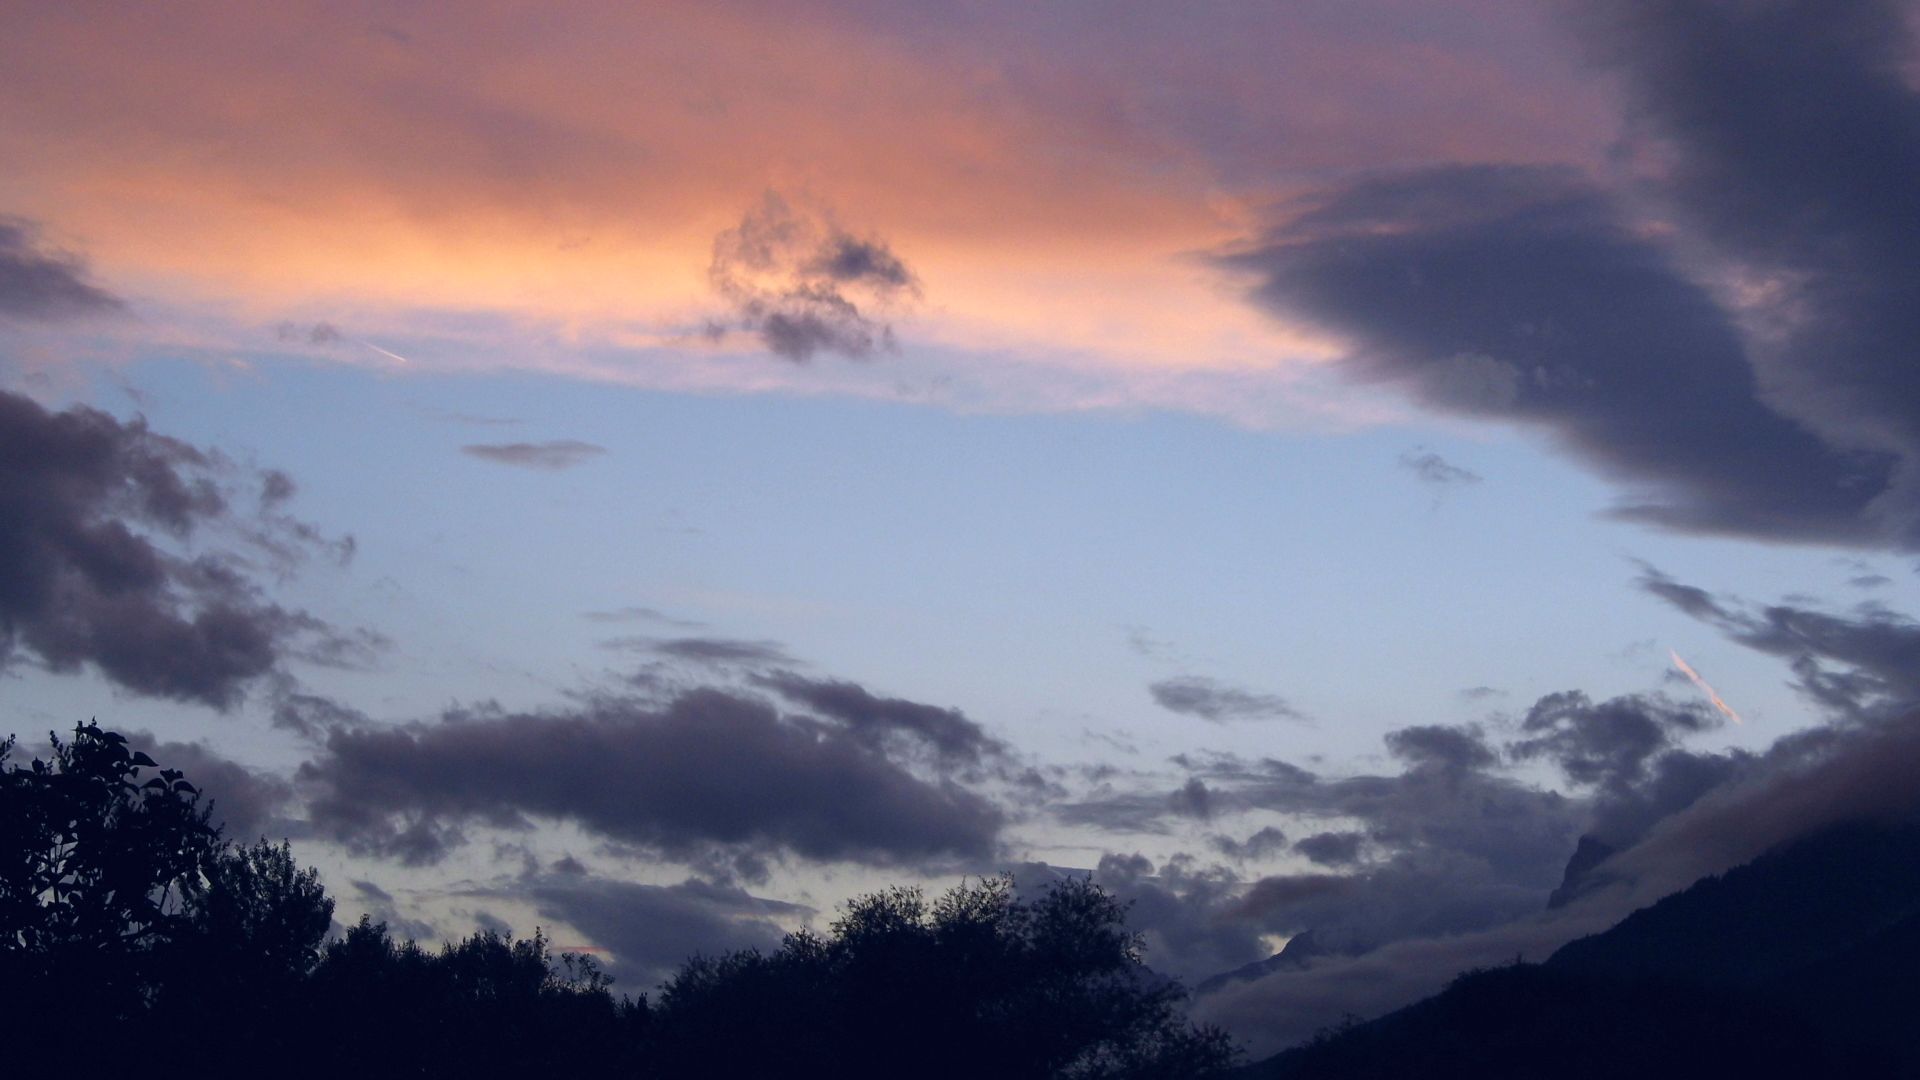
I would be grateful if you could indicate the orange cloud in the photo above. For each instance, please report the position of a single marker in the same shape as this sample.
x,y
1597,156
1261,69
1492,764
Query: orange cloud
x,y
571,165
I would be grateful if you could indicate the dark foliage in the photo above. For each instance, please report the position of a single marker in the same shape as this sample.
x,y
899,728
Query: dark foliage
x,y
1528,1021
96,868
133,938
486,1006
978,983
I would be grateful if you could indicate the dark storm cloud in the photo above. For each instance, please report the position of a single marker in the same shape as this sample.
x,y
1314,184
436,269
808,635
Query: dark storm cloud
x,y
552,456
883,721
798,281
39,284
1518,293
710,771
95,517
651,930
1210,699
1432,469
1790,136
1855,666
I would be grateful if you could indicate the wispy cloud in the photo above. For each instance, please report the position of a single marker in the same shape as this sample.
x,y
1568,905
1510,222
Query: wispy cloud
x,y
551,456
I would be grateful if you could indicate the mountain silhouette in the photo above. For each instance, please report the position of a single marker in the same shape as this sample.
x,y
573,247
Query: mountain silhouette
x,y
1804,962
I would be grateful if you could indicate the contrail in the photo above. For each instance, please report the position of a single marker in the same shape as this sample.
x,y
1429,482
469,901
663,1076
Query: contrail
x,y
385,352
1686,669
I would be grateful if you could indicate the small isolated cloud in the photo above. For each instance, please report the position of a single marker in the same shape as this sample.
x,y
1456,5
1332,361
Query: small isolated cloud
x,y
1210,699
1432,469
43,285
552,455
710,651
806,286
640,614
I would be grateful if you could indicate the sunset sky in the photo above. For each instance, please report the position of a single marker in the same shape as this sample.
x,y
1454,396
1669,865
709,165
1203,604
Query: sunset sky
x,y
652,471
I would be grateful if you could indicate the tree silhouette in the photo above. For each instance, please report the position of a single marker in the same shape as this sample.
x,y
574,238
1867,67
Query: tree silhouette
x,y
254,924
485,1006
980,983
133,937
95,869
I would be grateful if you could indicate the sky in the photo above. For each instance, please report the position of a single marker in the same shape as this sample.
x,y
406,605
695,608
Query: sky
x,y
654,472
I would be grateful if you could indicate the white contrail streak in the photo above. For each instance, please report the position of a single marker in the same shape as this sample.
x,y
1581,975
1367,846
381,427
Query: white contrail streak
x,y
385,352
1686,669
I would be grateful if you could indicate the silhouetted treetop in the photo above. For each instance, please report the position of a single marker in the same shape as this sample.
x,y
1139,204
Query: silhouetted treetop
x,y
980,982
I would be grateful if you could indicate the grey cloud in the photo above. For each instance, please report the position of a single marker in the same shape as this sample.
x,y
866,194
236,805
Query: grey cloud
x,y
1877,651
91,510
798,281
640,614
1192,799
276,487
711,650
881,721
1737,807
1451,747
1519,293
1210,699
1183,913
1263,843
846,259
319,333
1789,133
1608,744
552,456
652,929
710,771
39,284
1456,848
310,714
1432,469
247,804
1331,848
